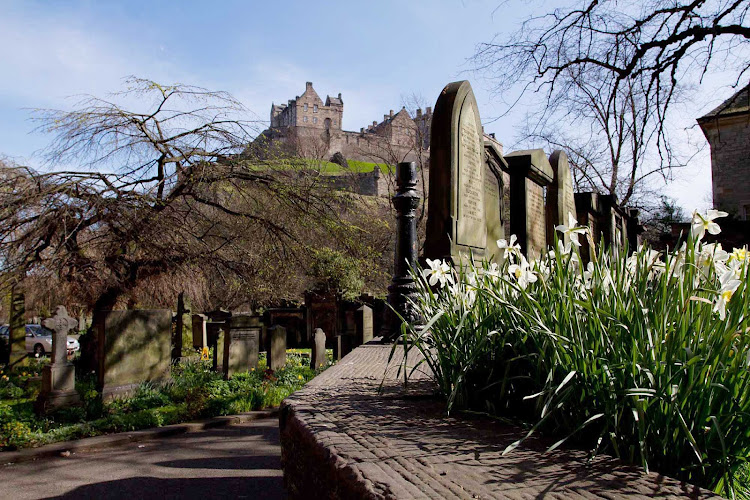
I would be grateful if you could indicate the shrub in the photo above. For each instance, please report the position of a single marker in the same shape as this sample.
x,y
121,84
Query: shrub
x,y
647,353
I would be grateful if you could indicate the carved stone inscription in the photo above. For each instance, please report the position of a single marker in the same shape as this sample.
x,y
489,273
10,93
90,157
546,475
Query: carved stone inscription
x,y
470,223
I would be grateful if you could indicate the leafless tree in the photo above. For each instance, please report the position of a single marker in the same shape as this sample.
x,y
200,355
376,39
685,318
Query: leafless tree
x,y
161,192
620,67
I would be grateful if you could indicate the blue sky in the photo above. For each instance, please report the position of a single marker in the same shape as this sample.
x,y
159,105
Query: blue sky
x,y
375,53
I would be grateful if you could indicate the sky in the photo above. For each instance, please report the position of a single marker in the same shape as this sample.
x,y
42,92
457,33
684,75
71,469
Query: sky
x,y
376,54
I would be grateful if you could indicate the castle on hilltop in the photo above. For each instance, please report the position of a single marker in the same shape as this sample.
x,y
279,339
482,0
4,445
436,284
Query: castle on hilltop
x,y
310,128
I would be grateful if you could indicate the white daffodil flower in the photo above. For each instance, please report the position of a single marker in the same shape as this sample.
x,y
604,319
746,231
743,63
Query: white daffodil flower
x,y
509,248
522,272
439,272
572,230
729,285
739,255
493,272
702,223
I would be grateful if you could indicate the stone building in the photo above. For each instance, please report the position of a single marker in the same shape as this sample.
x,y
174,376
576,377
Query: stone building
x,y
309,127
727,129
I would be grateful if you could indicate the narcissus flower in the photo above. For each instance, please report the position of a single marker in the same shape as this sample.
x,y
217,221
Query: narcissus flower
x,y
572,230
439,272
702,223
729,285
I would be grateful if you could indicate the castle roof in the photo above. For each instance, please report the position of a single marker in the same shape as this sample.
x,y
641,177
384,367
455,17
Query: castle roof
x,y
336,101
737,104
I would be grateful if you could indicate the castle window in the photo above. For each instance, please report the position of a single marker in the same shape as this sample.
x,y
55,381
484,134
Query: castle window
x,y
315,108
304,119
305,108
315,119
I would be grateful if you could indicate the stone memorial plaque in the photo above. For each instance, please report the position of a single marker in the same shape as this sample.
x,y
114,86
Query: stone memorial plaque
x,y
470,230
242,345
134,347
456,219
530,174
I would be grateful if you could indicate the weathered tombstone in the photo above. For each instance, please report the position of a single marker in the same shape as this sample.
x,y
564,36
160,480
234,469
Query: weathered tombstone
x,y
530,174
337,345
363,325
134,346
200,339
17,328
242,344
58,378
322,312
291,318
456,223
496,214
318,354
216,328
560,197
276,347
179,323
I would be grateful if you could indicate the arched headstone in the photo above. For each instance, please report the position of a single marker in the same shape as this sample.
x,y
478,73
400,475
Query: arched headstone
x,y
560,199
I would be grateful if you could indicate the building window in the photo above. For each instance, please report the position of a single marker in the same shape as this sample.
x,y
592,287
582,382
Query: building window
x,y
305,106
315,108
304,119
315,119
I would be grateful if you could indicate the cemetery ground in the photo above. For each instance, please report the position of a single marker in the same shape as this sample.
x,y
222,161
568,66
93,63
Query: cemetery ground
x,y
194,391
237,461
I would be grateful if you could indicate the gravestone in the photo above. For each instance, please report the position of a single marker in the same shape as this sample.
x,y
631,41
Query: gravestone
x,y
530,174
276,355
560,196
200,335
58,378
216,329
291,318
322,312
497,207
134,346
242,344
17,326
179,319
363,326
456,220
318,354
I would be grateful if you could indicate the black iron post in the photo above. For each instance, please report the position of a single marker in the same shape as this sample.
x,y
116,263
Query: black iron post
x,y
402,286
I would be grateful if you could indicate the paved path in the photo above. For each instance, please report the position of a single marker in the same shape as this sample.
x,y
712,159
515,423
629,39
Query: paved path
x,y
238,461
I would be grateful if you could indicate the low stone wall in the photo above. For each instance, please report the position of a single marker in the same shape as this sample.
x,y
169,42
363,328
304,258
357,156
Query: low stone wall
x,y
343,438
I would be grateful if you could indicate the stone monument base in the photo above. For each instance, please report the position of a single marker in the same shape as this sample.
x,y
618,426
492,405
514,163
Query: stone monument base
x,y
46,403
58,388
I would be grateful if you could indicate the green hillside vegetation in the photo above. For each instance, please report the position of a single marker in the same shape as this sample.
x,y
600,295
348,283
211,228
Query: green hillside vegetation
x,y
326,167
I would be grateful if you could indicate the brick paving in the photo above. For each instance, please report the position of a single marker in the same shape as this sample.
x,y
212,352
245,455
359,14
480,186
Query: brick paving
x,y
341,438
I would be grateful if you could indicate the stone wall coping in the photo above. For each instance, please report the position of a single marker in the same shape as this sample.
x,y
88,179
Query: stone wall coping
x,y
343,438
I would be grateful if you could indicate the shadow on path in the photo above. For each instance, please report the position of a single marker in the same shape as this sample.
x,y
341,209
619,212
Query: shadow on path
x,y
150,487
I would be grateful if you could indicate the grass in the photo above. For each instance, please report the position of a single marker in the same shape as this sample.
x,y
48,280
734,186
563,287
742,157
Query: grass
x,y
193,392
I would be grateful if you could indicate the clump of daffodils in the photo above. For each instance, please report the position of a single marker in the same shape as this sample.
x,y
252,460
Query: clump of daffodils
x,y
721,273
641,354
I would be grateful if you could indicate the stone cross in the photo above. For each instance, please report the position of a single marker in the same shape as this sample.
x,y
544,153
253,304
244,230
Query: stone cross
x,y
60,323
58,378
